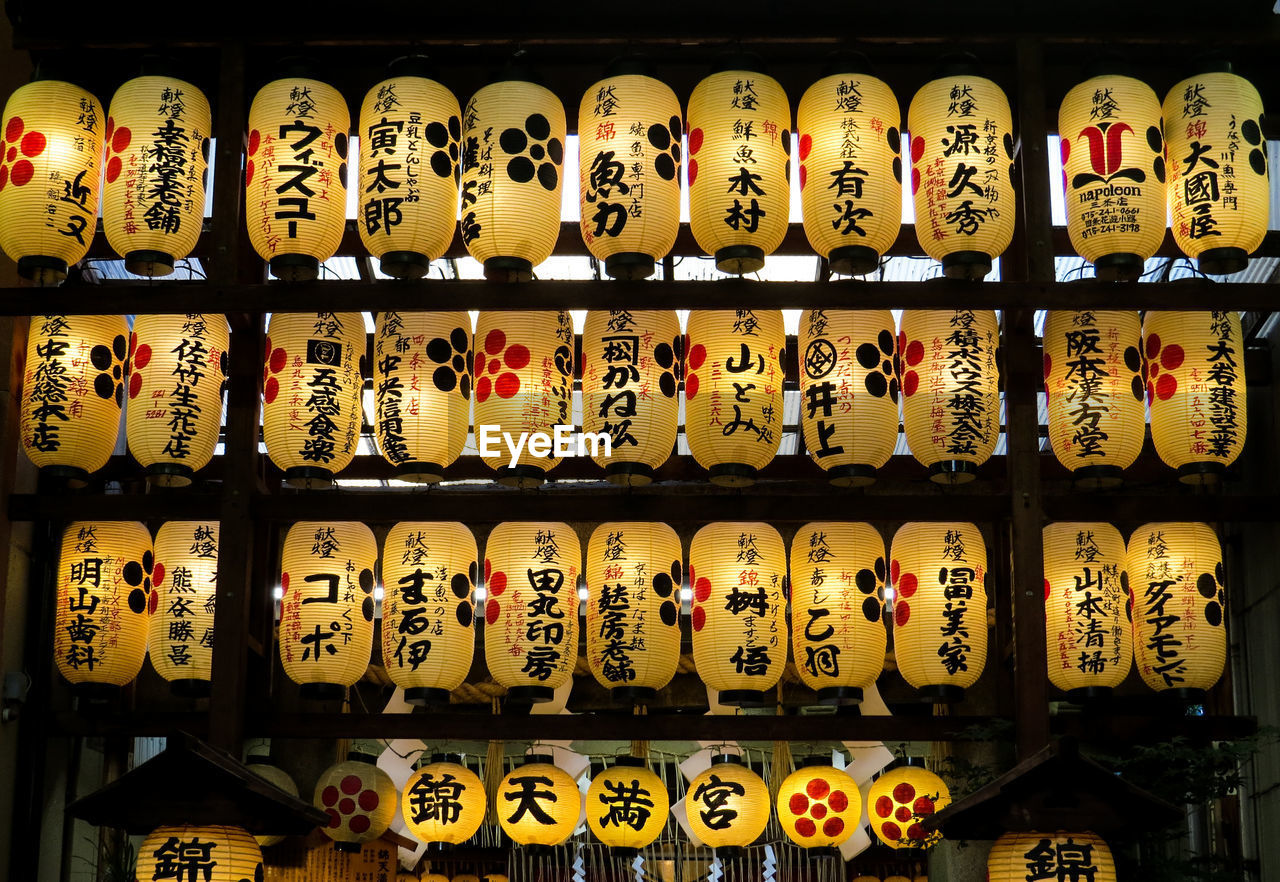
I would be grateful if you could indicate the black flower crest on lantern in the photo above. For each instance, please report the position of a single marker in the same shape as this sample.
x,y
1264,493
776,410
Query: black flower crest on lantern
x,y
878,358
110,362
666,139
871,583
533,151
667,355
137,574
453,354
445,138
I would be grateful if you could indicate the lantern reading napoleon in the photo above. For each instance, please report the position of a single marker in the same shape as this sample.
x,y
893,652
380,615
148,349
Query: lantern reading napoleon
x,y
738,572
538,803
1015,856
733,391
1218,190
627,806
900,799
739,166
157,155
428,639
326,614
819,806
633,608
276,777
185,579
531,580
939,573
630,378
359,798
727,805
50,150
212,854
444,801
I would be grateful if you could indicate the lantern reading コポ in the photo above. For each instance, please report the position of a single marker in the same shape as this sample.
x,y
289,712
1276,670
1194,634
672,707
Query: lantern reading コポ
x,y
276,777
738,572
326,614
939,574
819,806
733,391
531,579
1017,856
727,806
538,803
627,806
630,377
212,854
899,800
184,577
443,802
739,166
1179,607
428,638
358,797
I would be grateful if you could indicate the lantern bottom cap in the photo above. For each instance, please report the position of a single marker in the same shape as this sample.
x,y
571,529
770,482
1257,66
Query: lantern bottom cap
x,y
853,260
971,265
1185,695
852,475
836,696
1090,694
352,847
730,852
953,471
73,475
423,696
822,851
1222,261
525,477
630,265
941,693
530,694
420,472
96,693
740,259
732,474
191,687
169,474
148,263
743,698
1119,267
404,264
308,477
44,271
1200,473
623,852
633,694
295,267
508,269
1097,477
628,474
322,691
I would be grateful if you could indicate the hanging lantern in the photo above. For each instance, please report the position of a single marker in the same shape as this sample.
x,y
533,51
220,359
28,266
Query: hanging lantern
x,y
422,391
866,879
727,805
427,877
838,635
819,806
900,799
1015,856
184,578
50,151
326,611
950,388
627,806
104,602
538,803
939,573
630,375
466,877
849,392
1179,588
177,378
444,801
276,777
738,572
359,798
1194,370
428,639
1219,194
1093,383
531,578
211,854
524,387
311,410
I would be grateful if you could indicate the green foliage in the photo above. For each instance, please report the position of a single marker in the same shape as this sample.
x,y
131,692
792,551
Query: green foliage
x,y
115,860
1183,772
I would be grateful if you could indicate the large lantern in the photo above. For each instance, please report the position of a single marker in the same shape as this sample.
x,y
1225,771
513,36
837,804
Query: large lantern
x,y
733,391
627,806
738,572
838,636
209,854
358,797
276,777
950,388
899,800
326,614
739,165
630,376
531,579
184,577
819,806
727,805
939,574
444,801
1060,855
538,803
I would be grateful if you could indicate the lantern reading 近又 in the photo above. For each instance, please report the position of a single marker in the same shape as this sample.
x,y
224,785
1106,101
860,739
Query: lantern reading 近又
x,y
627,806
819,806
218,854
727,805
184,578
444,801
538,803
359,798
899,800
1015,856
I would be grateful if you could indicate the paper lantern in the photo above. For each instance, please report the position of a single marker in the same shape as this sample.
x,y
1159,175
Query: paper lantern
x,y
1218,191
104,601
630,375
326,613
939,573
538,803
899,800
184,578
1016,856
849,392
422,391
50,155
962,170
205,854
494,877
866,879
277,777
727,805
295,175
72,387
443,802
633,608
524,388
1179,592
950,388
1093,383
359,798
627,806
157,155
1194,370
531,579
738,572
739,166
819,806
466,877
733,391
430,877
178,375
311,410
1113,172
838,635
428,638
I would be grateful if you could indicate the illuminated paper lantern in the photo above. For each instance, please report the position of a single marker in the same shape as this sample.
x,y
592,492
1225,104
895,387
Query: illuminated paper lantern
x,y
939,574
1015,856
531,615
212,854
838,635
738,572
50,156
727,805
73,382
444,801
295,176
428,611
1180,607
311,411
633,608
739,166
176,381
524,387
899,800
538,803
1194,370
950,388
185,576
627,806
1218,191
866,879
630,378
422,391
277,777
326,610
819,806
733,391
849,391
359,798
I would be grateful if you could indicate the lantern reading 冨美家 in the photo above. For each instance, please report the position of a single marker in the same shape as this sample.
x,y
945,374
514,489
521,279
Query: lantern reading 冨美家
x,y
818,806
627,806
899,799
444,801
218,854
359,798
538,803
727,805
1015,856
184,578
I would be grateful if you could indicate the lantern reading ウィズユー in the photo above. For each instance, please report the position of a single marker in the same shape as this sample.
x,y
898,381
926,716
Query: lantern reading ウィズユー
x,y
818,806
276,777
727,806
184,578
359,798
627,806
1016,857
209,854
443,802
899,800
538,803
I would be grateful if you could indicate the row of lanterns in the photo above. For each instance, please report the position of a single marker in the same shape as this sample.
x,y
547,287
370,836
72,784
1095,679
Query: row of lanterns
x,y
1126,160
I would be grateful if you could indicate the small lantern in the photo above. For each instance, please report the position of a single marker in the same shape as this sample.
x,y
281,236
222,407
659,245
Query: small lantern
x,y
276,777
443,802
184,578
819,807
538,803
426,877
1015,856
899,800
212,854
358,797
727,805
627,806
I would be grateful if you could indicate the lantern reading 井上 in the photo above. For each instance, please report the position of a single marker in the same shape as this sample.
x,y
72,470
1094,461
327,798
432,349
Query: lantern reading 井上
x,y
538,803
1015,856
727,805
220,854
359,798
184,578
900,799
444,801
627,806
819,806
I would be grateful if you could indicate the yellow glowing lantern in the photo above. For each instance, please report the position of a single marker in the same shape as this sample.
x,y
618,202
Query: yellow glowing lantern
x,y
277,777
359,798
866,879
444,801
218,854
495,877
184,578
1015,856
326,610
897,879
430,877
627,806
466,877
899,800
727,805
819,806
538,803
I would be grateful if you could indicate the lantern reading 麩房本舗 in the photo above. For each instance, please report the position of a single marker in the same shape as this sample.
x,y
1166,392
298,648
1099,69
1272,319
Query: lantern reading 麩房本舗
x,y
212,854
899,800
538,803
276,777
359,798
627,806
444,801
727,806
184,578
819,806
1061,855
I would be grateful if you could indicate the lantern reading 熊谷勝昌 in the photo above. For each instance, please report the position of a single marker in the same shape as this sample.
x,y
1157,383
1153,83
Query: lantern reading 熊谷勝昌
x,y
184,578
